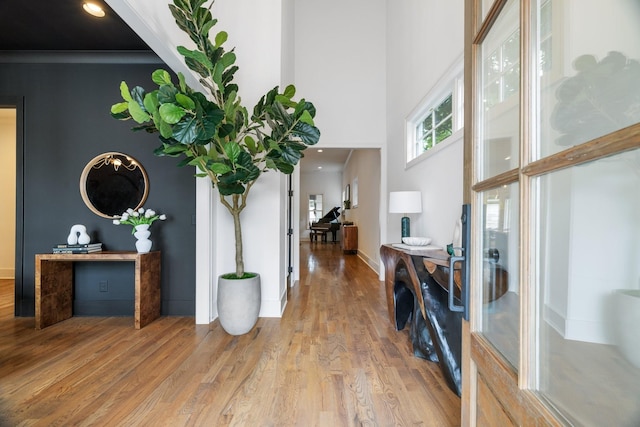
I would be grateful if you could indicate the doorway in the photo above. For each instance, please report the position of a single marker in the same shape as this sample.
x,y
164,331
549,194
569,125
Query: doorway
x,y
8,194
328,173
11,196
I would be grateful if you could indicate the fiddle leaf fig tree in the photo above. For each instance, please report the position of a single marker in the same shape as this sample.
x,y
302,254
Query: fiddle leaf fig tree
x,y
213,131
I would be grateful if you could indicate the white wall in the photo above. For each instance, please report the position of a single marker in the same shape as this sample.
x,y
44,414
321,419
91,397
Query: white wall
x,y
340,67
8,194
364,165
424,39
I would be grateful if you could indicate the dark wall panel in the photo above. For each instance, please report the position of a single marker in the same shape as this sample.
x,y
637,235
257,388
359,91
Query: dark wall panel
x,y
66,124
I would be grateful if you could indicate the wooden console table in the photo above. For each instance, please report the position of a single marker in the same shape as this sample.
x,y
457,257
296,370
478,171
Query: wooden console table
x,y
54,285
392,256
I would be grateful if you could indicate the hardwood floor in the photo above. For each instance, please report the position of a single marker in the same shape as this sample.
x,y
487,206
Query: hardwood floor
x,y
333,359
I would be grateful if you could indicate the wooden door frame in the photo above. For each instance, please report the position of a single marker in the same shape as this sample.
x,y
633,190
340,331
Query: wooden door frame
x,y
516,401
479,358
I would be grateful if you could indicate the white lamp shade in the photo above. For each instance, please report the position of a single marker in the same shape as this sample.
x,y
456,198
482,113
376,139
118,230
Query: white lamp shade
x,y
405,202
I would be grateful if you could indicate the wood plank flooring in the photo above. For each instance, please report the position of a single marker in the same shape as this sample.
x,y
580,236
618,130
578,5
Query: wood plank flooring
x,y
333,359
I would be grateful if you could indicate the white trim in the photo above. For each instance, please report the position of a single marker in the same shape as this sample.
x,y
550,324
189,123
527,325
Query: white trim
x,y
206,283
450,82
455,137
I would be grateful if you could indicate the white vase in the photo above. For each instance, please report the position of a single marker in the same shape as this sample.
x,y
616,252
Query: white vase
x,y
142,233
238,304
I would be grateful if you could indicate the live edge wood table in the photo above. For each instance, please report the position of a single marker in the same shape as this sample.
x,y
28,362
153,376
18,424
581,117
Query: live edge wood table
x,y
54,285
417,290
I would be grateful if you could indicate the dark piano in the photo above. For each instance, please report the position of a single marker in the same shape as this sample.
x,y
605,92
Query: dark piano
x,y
326,224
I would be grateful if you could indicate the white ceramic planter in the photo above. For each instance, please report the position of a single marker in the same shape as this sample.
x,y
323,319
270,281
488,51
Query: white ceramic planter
x,y
238,304
627,323
143,244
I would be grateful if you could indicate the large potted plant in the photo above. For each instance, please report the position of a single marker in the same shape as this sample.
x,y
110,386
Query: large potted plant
x,y
214,132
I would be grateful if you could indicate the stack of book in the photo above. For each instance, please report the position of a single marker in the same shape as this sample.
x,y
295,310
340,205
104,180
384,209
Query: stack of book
x,y
88,248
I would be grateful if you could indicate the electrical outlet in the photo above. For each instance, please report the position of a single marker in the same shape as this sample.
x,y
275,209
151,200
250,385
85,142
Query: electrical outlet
x,y
103,286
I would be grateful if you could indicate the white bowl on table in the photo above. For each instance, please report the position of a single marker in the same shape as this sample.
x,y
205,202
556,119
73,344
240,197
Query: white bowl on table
x,y
416,241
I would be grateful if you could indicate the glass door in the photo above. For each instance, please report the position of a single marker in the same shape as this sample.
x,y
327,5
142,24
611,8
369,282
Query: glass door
x,y
553,152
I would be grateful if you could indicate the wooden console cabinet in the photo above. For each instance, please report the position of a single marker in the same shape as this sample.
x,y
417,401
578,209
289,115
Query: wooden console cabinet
x,y
349,240
54,285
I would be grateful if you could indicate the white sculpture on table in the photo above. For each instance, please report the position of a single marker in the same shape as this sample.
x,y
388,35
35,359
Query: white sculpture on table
x,y
78,235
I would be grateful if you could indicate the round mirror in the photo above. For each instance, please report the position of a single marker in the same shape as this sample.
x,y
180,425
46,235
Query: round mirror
x,y
113,182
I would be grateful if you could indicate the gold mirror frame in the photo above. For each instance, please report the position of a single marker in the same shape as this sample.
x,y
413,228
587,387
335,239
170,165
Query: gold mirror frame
x,y
112,182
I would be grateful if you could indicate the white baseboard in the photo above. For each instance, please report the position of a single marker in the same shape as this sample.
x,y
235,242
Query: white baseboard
x,y
272,307
373,264
579,329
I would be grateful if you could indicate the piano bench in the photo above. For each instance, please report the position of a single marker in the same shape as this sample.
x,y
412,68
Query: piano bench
x,y
314,235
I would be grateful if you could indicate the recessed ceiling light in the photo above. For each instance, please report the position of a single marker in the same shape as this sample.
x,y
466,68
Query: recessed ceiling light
x,y
319,167
320,150
93,9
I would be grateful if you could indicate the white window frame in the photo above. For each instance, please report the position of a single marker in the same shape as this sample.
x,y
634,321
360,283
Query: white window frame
x,y
452,82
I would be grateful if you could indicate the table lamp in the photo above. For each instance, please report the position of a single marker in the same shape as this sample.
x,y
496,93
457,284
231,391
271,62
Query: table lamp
x,y
405,202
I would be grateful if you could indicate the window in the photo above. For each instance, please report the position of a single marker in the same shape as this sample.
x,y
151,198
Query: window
x,y
438,116
502,71
315,207
436,127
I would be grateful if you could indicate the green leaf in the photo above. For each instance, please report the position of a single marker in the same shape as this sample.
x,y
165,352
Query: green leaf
x,y
251,145
228,189
225,130
121,116
167,94
171,113
290,155
197,56
174,149
232,150
304,106
207,27
284,167
197,67
280,114
165,128
271,96
306,118
219,168
197,161
281,99
245,161
161,77
182,82
119,107
289,91
221,37
185,131
137,113
151,103
138,94
185,101
183,162
124,92
228,59
227,77
310,135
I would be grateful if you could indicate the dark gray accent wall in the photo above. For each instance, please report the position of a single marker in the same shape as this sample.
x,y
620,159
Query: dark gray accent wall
x,y
66,100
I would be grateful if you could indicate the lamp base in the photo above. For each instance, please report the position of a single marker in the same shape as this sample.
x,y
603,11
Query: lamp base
x,y
406,226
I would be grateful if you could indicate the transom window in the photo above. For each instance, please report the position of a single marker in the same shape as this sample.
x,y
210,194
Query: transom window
x,y
437,117
436,127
